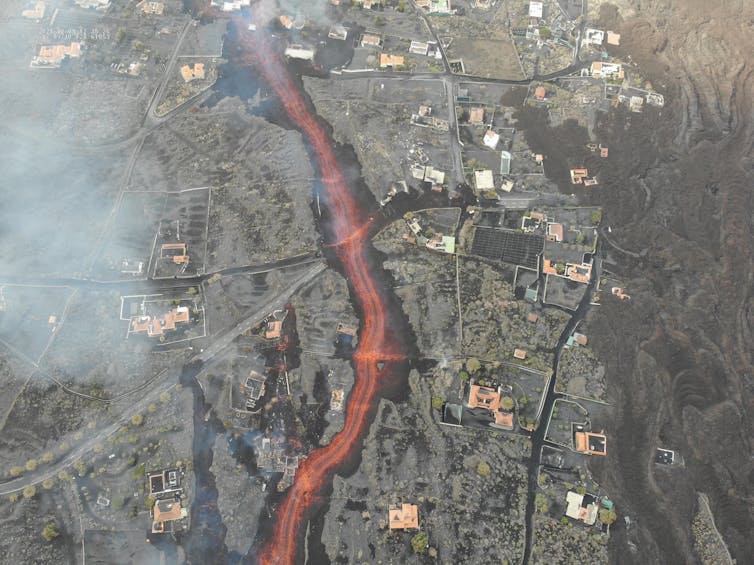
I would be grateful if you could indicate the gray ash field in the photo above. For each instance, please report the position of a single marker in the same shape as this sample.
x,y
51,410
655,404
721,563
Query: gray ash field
x,y
560,206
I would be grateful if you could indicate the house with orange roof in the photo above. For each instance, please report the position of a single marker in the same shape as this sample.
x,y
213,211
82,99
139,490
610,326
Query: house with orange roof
x,y
52,56
519,354
174,251
165,512
391,61
192,72
484,397
274,329
591,443
403,517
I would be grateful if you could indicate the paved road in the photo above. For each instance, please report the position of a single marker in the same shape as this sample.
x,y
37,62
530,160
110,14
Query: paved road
x,y
250,321
153,285
165,383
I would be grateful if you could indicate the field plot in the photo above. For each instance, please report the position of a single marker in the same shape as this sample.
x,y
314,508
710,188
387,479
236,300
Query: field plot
x,y
29,316
509,246
91,352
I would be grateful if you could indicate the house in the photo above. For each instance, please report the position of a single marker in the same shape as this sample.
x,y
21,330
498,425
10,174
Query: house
x,y
36,13
636,103
579,338
519,354
506,186
403,517
613,38
491,139
601,69
476,116
484,397
444,243
338,32
591,443
157,326
578,175
253,389
435,176
174,251
299,52
593,37
483,180
532,317
52,56
165,512
192,72
655,99
285,21
617,291
536,10
504,420
540,93
604,152
369,40
418,47
582,507
391,61
274,329
579,273
100,5
156,8
548,268
336,399
555,232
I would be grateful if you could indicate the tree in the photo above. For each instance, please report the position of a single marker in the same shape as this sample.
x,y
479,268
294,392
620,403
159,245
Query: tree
x,y
29,492
596,217
545,33
64,476
16,471
437,402
506,403
607,516
50,531
379,21
483,469
31,464
473,365
137,419
420,543
48,483
47,457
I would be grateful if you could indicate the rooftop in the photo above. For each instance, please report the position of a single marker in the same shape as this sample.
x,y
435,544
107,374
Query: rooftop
x,y
484,397
189,72
391,60
591,443
483,180
404,517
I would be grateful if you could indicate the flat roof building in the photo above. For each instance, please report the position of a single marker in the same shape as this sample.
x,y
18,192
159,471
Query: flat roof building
x,y
404,517
483,180
582,507
476,116
35,13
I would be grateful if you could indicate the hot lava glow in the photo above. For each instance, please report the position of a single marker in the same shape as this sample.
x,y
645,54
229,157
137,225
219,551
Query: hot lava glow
x,y
378,354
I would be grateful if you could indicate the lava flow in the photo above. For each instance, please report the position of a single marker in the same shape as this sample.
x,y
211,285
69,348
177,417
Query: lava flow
x,y
378,353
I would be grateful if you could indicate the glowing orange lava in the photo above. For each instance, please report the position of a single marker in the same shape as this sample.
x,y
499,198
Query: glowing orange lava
x,y
377,347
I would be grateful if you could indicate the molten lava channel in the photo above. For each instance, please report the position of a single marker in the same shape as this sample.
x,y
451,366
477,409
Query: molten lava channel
x,y
376,346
